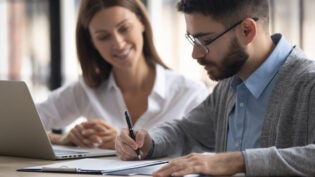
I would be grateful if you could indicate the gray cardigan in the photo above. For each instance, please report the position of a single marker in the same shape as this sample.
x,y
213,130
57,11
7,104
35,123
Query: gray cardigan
x,y
288,132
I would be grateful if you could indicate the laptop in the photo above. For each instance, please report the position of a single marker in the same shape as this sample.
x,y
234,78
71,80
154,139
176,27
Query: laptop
x,y
22,132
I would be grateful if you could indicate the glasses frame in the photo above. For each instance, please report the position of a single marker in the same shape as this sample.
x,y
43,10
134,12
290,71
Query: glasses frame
x,y
203,45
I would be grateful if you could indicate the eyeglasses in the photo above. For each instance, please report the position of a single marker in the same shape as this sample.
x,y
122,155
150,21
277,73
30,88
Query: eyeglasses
x,y
203,44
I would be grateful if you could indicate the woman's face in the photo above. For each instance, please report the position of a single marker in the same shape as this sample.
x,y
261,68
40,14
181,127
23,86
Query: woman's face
x,y
116,33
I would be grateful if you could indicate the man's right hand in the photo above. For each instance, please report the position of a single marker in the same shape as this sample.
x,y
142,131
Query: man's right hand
x,y
126,147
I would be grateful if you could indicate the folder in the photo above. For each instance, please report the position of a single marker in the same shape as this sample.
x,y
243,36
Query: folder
x,y
100,166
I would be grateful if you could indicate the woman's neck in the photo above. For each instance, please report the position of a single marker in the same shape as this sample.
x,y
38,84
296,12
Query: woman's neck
x,y
135,79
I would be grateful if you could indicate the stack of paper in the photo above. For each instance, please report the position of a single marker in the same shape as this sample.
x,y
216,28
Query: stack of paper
x,y
96,166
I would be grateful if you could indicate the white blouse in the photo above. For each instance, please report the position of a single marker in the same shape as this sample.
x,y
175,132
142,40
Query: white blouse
x,y
171,98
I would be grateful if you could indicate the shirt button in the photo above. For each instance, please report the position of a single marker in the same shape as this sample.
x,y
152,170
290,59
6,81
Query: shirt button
x,y
241,105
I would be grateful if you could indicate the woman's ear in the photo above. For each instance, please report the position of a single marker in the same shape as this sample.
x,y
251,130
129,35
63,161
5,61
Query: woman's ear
x,y
248,30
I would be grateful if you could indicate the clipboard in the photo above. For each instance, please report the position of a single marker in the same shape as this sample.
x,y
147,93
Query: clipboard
x,y
100,166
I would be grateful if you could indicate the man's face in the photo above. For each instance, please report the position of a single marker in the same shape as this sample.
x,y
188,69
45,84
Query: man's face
x,y
225,57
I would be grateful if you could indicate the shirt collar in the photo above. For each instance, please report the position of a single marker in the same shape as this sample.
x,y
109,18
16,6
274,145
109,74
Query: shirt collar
x,y
160,83
159,86
259,79
111,82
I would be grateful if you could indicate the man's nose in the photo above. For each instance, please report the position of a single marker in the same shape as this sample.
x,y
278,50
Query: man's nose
x,y
197,52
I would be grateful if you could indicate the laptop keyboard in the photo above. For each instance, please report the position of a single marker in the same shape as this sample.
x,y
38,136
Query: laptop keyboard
x,y
62,150
68,152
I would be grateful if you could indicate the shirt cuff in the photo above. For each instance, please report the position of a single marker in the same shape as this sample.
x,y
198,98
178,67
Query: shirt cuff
x,y
149,156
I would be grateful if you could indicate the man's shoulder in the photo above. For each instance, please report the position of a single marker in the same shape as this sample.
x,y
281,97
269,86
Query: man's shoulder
x,y
298,72
298,65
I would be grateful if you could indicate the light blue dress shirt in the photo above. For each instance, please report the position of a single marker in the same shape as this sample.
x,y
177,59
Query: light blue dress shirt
x,y
252,96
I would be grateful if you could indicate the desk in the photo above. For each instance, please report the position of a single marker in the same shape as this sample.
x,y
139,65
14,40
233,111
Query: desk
x,y
8,166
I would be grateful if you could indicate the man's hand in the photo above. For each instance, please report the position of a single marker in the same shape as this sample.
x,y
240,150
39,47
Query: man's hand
x,y
208,164
126,147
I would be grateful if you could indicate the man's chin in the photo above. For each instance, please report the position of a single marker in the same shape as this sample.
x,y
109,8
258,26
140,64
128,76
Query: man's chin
x,y
213,76
216,76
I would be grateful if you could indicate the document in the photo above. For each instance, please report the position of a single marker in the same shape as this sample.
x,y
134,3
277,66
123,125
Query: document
x,y
100,166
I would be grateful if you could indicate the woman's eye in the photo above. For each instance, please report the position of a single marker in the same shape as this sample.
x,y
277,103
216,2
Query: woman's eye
x,y
103,37
124,29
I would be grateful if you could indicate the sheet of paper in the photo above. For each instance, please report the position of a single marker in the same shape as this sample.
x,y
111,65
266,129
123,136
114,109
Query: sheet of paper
x,y
99,164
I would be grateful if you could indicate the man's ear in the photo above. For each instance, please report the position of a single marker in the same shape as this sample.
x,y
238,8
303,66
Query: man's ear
x,y
248,30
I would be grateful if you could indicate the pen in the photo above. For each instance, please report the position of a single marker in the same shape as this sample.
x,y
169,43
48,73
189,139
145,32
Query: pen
x,y
131,133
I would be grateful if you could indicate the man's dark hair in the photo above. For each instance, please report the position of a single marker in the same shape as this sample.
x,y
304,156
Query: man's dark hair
x,y
227,11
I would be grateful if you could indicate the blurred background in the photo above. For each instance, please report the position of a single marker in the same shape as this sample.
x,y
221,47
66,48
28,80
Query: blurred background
x,y
37,39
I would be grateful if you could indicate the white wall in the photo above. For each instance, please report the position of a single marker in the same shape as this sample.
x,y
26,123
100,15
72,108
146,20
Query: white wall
x,y
3,40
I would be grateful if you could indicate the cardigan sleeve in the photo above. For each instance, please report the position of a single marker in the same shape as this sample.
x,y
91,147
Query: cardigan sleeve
x,y
294,161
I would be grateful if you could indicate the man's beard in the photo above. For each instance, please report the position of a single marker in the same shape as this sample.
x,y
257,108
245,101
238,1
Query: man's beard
x,y
231,63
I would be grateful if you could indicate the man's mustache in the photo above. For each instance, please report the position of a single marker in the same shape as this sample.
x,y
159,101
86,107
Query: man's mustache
x,y
205,62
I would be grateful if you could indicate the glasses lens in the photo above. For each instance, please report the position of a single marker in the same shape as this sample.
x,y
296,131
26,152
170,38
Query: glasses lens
x,y
196,42
190,39
202,47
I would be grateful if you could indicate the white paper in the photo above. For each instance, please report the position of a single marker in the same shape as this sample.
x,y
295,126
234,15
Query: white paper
x,y
99,164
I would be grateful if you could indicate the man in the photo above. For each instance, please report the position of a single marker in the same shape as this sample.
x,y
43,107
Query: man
x,y
259,119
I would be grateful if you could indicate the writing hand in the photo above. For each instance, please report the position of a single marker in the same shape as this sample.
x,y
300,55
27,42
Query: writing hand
x,y
126,147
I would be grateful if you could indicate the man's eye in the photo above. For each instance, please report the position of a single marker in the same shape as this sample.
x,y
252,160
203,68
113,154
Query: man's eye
x,y
206,41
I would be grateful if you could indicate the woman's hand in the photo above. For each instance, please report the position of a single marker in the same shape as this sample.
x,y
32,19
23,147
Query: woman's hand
x,y
207,164
101,133
93,133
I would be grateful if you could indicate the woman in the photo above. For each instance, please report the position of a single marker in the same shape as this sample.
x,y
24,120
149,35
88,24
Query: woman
x,y
121,72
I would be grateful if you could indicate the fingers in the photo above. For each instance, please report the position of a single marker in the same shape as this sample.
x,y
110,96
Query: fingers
x,y
75,136
100,127
189,164
140,137
93,133
125,146
209,164
93,123
107,140
169,170
144,142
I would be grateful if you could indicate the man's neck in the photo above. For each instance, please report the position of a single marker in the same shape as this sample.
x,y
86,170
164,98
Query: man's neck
x,y
259,51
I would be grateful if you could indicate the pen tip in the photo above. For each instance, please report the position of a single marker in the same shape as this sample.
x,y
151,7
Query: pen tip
x,y
139,157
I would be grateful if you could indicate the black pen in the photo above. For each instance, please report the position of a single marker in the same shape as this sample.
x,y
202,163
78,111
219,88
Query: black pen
x,y
131,133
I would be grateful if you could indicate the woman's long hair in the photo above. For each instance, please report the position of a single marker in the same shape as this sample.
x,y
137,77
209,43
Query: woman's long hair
x,y
94,68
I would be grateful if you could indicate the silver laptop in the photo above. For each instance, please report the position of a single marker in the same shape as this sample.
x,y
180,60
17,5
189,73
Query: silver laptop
x,y
21,130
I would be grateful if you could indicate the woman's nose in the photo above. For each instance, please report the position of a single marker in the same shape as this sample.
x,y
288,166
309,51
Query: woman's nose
x,y
118,41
